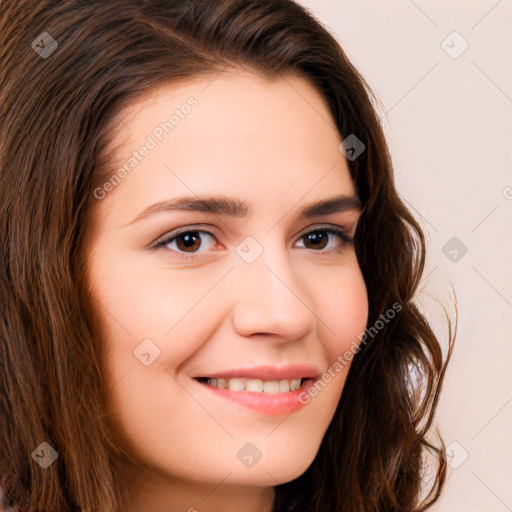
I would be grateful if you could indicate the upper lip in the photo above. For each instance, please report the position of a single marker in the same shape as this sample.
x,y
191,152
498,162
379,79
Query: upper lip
x,y
267,372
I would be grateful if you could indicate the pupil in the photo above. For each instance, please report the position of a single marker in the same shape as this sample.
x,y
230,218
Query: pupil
x,y
188,239
315,237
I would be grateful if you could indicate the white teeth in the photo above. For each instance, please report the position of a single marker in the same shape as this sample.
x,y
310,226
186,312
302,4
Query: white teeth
x,y
294,384
284,386
271,386
256,385
236,385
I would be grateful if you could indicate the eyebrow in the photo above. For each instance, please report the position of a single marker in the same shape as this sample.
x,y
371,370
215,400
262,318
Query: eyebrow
x,y
224,205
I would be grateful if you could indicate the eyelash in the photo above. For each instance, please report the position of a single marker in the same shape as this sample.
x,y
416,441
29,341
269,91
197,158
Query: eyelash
x,y
345,240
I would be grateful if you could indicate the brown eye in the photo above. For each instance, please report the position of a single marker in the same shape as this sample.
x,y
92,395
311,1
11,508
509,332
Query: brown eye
x,y
186,242
318,239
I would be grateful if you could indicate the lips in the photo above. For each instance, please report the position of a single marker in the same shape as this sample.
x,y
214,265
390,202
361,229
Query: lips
x,y
279,393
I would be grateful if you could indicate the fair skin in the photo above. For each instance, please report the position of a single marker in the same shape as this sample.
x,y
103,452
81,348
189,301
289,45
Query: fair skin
x,y
303,300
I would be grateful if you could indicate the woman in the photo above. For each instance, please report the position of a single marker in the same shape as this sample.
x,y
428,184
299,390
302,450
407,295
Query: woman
x,y
208,274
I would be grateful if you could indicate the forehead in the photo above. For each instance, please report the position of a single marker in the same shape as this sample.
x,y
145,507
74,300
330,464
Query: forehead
x,y
264,140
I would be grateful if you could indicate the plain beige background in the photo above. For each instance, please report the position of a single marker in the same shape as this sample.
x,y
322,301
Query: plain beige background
x,y
448,111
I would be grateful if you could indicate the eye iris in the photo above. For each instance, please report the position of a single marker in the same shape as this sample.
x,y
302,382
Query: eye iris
x,y
317,236
188,239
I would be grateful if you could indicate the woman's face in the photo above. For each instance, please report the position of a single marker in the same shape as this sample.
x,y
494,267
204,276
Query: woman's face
x,y
257,294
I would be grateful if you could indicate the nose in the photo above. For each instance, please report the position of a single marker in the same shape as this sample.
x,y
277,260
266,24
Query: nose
x,y
270,299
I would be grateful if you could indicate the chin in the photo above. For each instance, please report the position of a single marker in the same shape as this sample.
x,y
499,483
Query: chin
x,y
278,471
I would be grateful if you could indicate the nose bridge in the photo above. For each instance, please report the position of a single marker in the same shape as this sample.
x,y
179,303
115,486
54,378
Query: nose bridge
x,y
269,298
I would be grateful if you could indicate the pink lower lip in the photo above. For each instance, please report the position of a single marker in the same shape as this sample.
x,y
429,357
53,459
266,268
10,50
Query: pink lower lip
x,y
270,404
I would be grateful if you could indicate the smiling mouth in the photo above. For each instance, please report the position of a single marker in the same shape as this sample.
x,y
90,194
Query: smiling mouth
x,y
255,385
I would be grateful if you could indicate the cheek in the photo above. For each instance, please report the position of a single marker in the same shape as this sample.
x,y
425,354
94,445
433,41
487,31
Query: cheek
x,y
137,304
342,306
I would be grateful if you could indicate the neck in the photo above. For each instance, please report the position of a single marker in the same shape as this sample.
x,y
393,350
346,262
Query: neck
x,y
171,495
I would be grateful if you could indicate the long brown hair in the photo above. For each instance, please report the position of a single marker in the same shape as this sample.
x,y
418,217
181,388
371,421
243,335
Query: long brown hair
x,y
58,101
